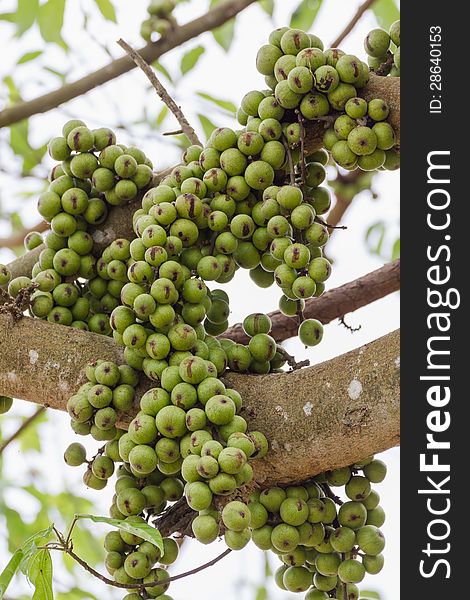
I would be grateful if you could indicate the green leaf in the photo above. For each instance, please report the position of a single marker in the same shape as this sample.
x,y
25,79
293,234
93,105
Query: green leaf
x,y
261,594
305,14
21,559
51,20
159,67
267,6
162,116
224,34
8,17
386,12
29,56
396,249
207,125
40,573
224,104
13,91
107,9
19,142
61,76
9,571
30,548
17,528
25,16
191,58
147,532
375,236
370,596
75,594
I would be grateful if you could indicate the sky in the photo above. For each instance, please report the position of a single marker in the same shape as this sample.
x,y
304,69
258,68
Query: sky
x,y
227,76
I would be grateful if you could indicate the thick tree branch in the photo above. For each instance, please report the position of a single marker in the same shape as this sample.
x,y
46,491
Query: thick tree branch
x,y
186,128
151,52
350,403
333,304
318,418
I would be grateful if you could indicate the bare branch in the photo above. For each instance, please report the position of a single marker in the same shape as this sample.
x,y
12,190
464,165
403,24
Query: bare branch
x,y
333,304
321,417
186,128
62,546
352,23
151,52
26,423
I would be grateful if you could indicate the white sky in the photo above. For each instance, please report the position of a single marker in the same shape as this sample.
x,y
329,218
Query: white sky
x,y
226,76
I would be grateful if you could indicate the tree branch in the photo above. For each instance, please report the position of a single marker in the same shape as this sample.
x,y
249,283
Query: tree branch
x,y
186,128
333,304
151,52
26,423
318,418
352,23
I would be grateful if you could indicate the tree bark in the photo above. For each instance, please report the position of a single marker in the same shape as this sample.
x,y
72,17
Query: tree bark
x,y
326,416
317,418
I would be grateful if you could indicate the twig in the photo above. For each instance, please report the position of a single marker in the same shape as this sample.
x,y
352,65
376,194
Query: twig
x,y
337,212
202,567
342,204
300,314
352,23
70,531
348,327
151,52
177,132
22,427
329,493
330,225
134,586
161,91
295,366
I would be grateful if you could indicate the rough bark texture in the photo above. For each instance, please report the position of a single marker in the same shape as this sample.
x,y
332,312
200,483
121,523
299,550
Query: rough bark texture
x,y
317,418
333,304
328,415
